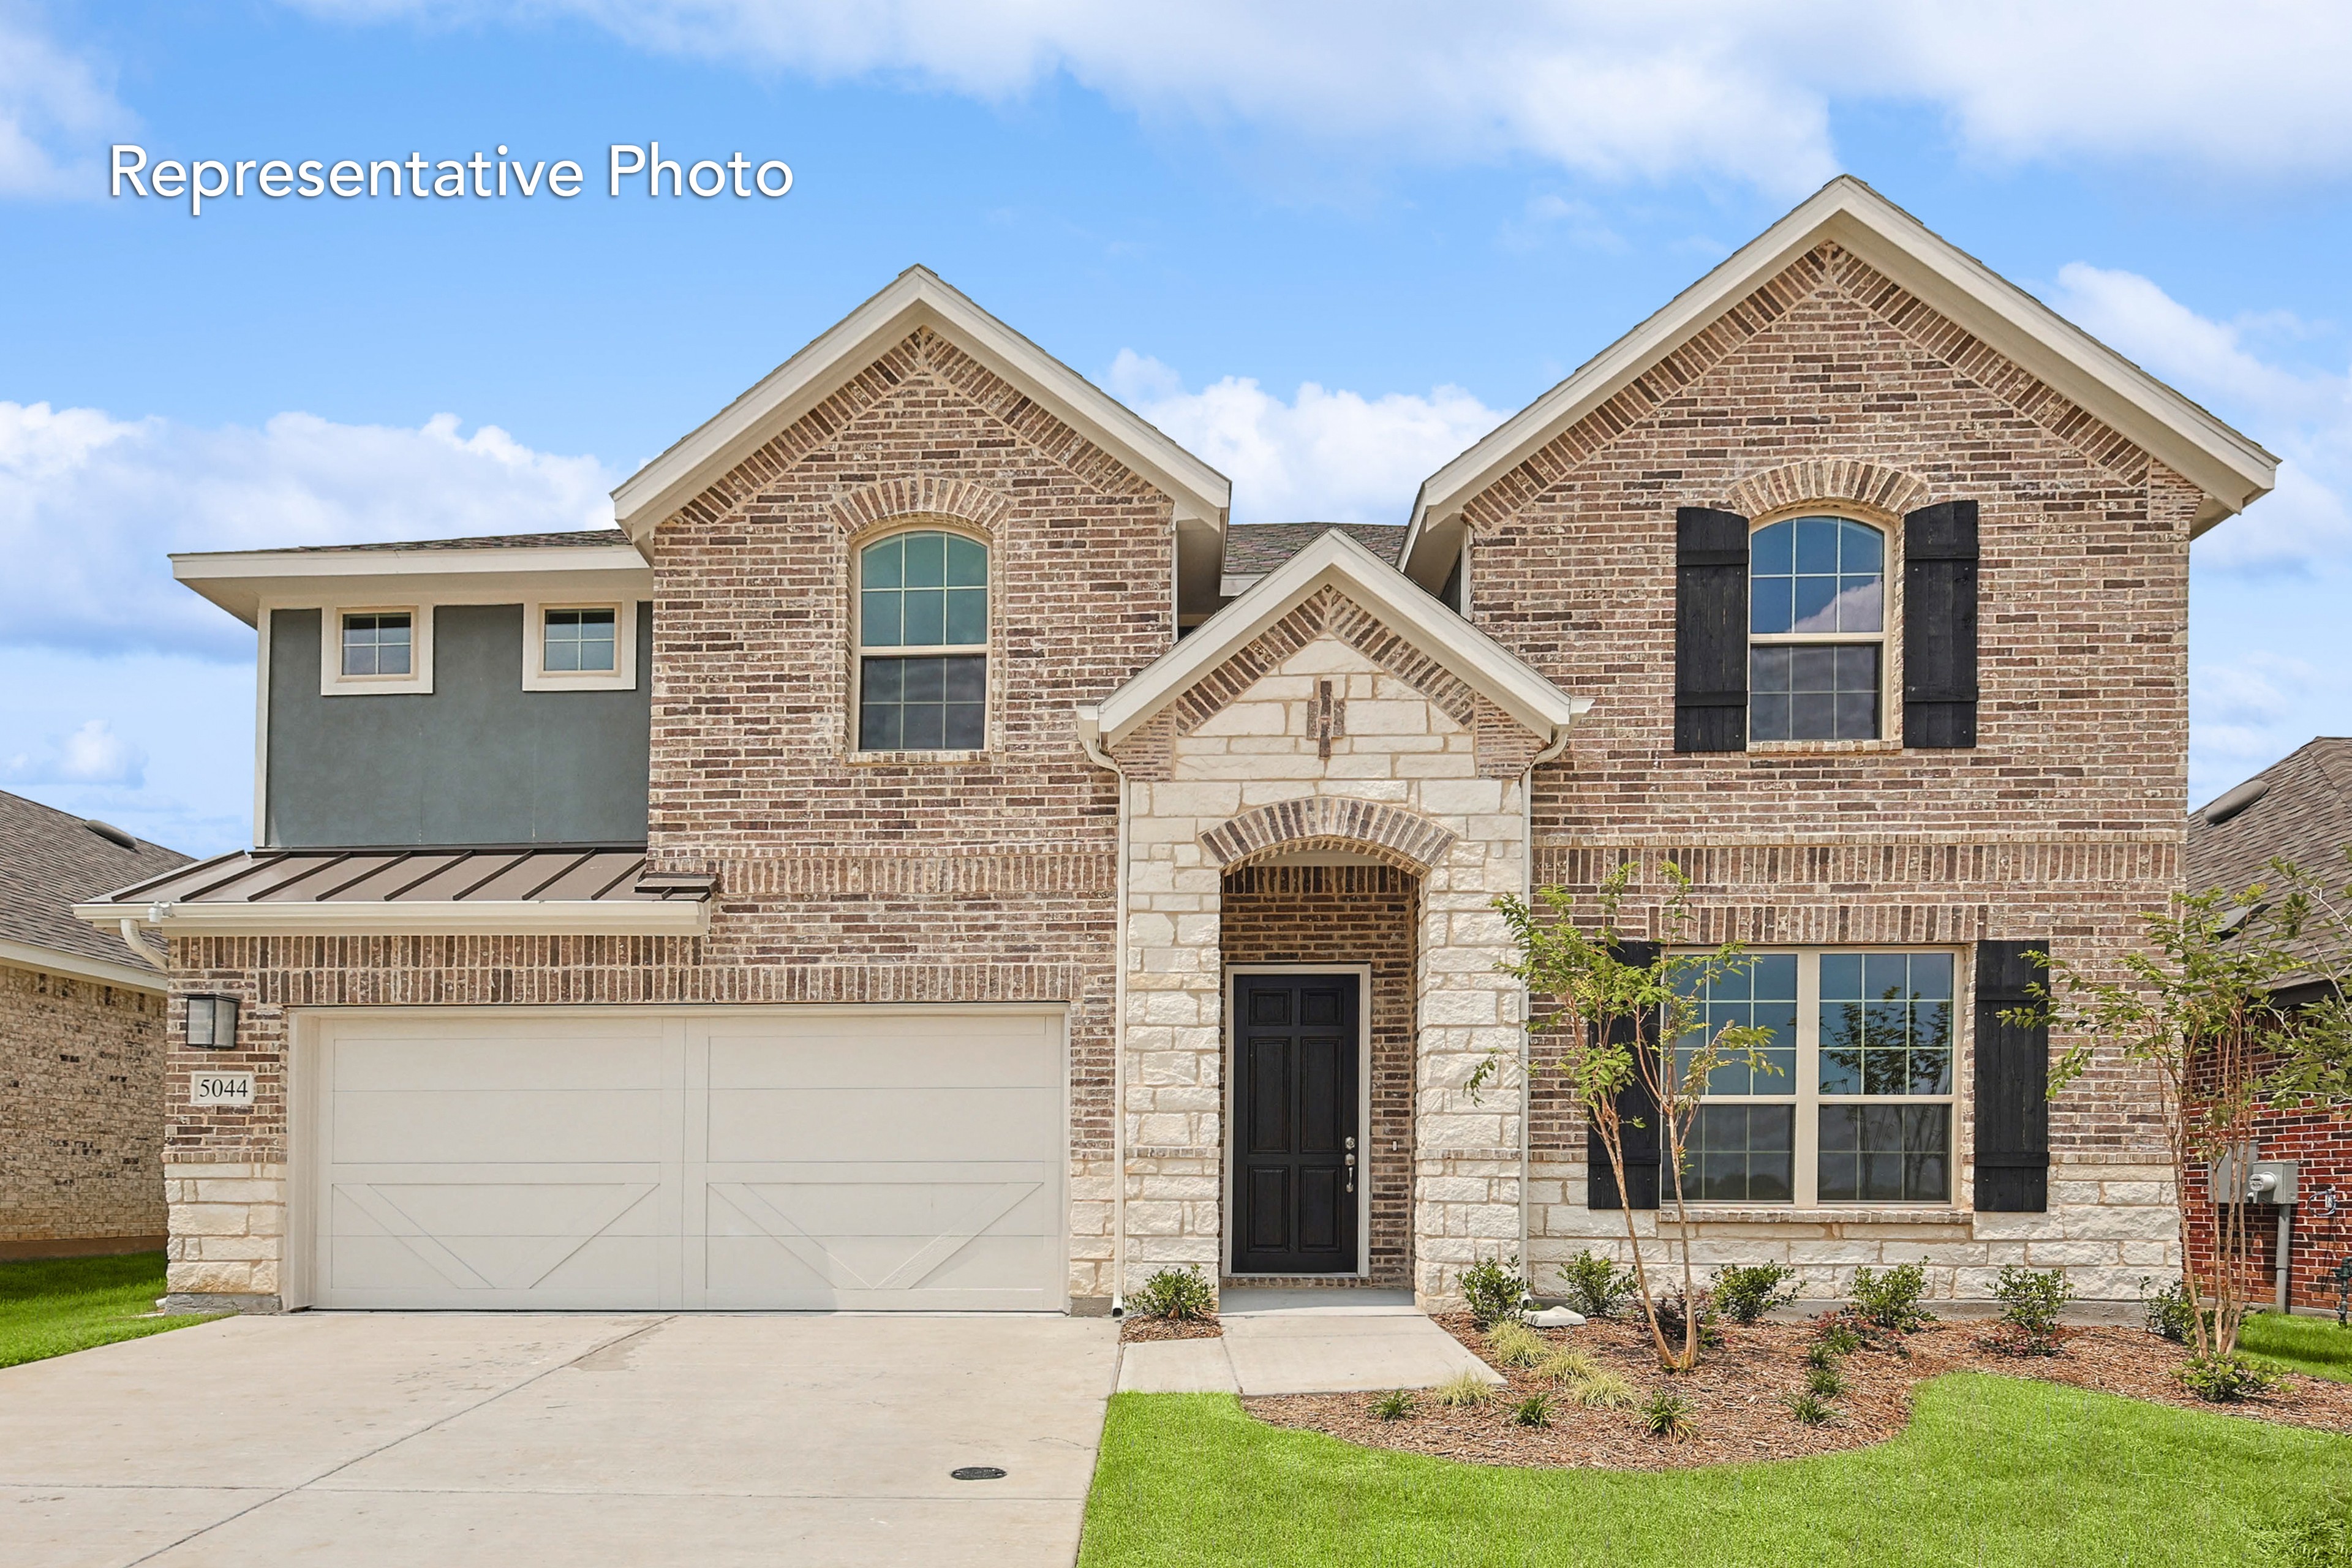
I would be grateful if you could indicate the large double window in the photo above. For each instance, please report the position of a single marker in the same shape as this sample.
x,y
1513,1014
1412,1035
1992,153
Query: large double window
x,y
922,644
1851,1101
1816,630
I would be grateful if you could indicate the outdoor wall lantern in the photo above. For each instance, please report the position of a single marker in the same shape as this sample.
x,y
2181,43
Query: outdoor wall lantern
x,y
211,1023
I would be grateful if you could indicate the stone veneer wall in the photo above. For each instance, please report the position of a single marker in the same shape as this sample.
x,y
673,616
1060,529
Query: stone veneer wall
x,y
1830,388
81,1115
1407,735
1365,913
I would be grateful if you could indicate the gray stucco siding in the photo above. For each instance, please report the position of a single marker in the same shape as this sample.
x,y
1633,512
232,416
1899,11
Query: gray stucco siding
x,y
478,760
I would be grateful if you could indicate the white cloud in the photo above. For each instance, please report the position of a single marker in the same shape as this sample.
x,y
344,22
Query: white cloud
x,y
92,754
2244,716
1742,89
50,99
1324,457
89,505
2304,416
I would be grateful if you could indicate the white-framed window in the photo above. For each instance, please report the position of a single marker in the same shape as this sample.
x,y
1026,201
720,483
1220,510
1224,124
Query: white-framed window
x,y
375,648
1817,642
921,620
570,645
1862,1107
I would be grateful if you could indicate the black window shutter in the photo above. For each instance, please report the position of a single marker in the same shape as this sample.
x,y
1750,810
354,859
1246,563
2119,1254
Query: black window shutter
x,y
2012,1088
1940,626
1634,1102
1710,631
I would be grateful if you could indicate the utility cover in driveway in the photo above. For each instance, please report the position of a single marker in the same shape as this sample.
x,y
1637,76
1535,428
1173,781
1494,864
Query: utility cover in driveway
x,y
638,1159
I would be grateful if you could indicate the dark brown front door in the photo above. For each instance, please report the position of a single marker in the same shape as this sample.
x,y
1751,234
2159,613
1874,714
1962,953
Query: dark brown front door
x,y
1295,1124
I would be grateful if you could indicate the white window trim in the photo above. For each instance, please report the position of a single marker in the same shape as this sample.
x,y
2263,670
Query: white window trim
x,y
333,682
859,652
1890,712
1363,974
537,677
1808,1099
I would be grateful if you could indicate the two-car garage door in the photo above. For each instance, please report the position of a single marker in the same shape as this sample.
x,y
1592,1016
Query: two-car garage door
x,y
641,1158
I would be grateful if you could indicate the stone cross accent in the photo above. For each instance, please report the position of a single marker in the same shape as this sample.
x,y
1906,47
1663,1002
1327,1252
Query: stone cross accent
x,y
1330,718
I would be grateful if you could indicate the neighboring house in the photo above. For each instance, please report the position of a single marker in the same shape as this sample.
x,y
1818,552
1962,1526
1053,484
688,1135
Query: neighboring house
x,y
2298,809
924,857
81,1044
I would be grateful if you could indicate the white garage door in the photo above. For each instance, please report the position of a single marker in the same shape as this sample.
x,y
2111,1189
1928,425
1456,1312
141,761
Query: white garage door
x,y
638,1158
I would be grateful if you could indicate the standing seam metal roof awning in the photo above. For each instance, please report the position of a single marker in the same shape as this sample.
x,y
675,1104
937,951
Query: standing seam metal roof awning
x,y
527,889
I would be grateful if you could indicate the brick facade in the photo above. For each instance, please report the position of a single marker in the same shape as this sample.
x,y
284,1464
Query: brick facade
x,y
81,1115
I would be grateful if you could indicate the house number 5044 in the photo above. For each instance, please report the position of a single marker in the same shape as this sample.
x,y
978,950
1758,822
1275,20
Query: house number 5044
x,y
232,1088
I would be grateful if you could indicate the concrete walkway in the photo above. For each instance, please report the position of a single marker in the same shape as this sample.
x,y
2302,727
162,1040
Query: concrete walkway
x,y
367,1439
1304,1342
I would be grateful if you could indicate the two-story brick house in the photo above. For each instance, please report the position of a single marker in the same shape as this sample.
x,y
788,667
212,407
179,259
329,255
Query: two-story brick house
x,y
924,857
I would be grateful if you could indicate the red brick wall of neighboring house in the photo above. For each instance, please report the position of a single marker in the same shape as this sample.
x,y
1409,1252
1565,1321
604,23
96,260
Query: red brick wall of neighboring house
x,y
2064,821
1350,915
81,1115
2321,1144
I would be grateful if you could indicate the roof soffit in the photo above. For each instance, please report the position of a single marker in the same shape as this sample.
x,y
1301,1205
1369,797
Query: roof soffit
x,y
2229,468
1336,561
918,298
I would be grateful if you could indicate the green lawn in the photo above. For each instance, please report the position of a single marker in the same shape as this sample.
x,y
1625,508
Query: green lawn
x,y
52,1306
2313,1345
1992,1470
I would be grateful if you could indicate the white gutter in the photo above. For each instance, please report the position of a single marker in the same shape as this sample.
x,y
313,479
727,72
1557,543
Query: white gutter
x,y
51,961
488,917
1527,1011
1089,726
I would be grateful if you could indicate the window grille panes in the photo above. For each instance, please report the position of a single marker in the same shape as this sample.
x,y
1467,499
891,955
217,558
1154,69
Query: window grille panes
x,y
923,590
377,645
923,705
1816,574
1760,992
1886,1023
1812,691
579,641
1741,1154
1886,1153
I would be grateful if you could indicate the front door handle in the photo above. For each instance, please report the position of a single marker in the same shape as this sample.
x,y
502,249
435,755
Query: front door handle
x,y
1352,1167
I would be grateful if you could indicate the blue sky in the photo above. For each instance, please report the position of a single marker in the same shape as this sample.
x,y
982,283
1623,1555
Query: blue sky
x,y
1326,245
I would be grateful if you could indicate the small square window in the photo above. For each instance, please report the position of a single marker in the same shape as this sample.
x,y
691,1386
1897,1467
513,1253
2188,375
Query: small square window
x,y
578,640
378,643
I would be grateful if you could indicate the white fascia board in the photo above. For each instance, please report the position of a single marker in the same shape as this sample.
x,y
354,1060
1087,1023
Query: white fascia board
x,y
243,583
537,917
1336,561
918,297
131,977
2232,469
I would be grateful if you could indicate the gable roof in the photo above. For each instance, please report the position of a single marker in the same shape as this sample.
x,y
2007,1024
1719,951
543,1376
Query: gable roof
x,y
50,860
1336,561
2230,468
1254,548
918,298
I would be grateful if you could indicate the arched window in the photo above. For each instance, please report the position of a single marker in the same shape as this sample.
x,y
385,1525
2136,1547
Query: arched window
x,y
922,644
1816,630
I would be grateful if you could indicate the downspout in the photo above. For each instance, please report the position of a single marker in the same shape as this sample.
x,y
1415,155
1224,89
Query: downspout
x,y
1527,1012
137,943
1090,738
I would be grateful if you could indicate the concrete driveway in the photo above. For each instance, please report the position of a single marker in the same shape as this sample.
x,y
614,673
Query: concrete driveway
x,y
399,1438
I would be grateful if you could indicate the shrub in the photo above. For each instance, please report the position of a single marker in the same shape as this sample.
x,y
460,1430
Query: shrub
x,y
1493,1290
1601,1389
1668,1415
1595,1286
1837,1333
1822,1356
1512,1343
2226,1378
1744,1293
1673,1318
2032,1301
1534,1410
1180,1294
2170,1312
1566,1364
1394,1405
1891,1300
1823,1383
1809,1411
1464,1390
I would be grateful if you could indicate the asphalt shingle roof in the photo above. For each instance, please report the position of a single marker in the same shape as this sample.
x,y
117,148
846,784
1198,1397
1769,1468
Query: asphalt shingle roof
x,y
1256,548
2305,815
480,541
50,862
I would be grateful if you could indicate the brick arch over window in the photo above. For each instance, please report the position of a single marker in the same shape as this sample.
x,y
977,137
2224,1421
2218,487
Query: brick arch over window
x,y
869,507
1888,492
1387,833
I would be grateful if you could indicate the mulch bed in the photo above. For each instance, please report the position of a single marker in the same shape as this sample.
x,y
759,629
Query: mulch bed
x,y
1136,1328
1740,1395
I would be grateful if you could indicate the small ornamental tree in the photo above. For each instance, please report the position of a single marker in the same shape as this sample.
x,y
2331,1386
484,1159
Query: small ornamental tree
x,y
2197,1006
1613,1025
